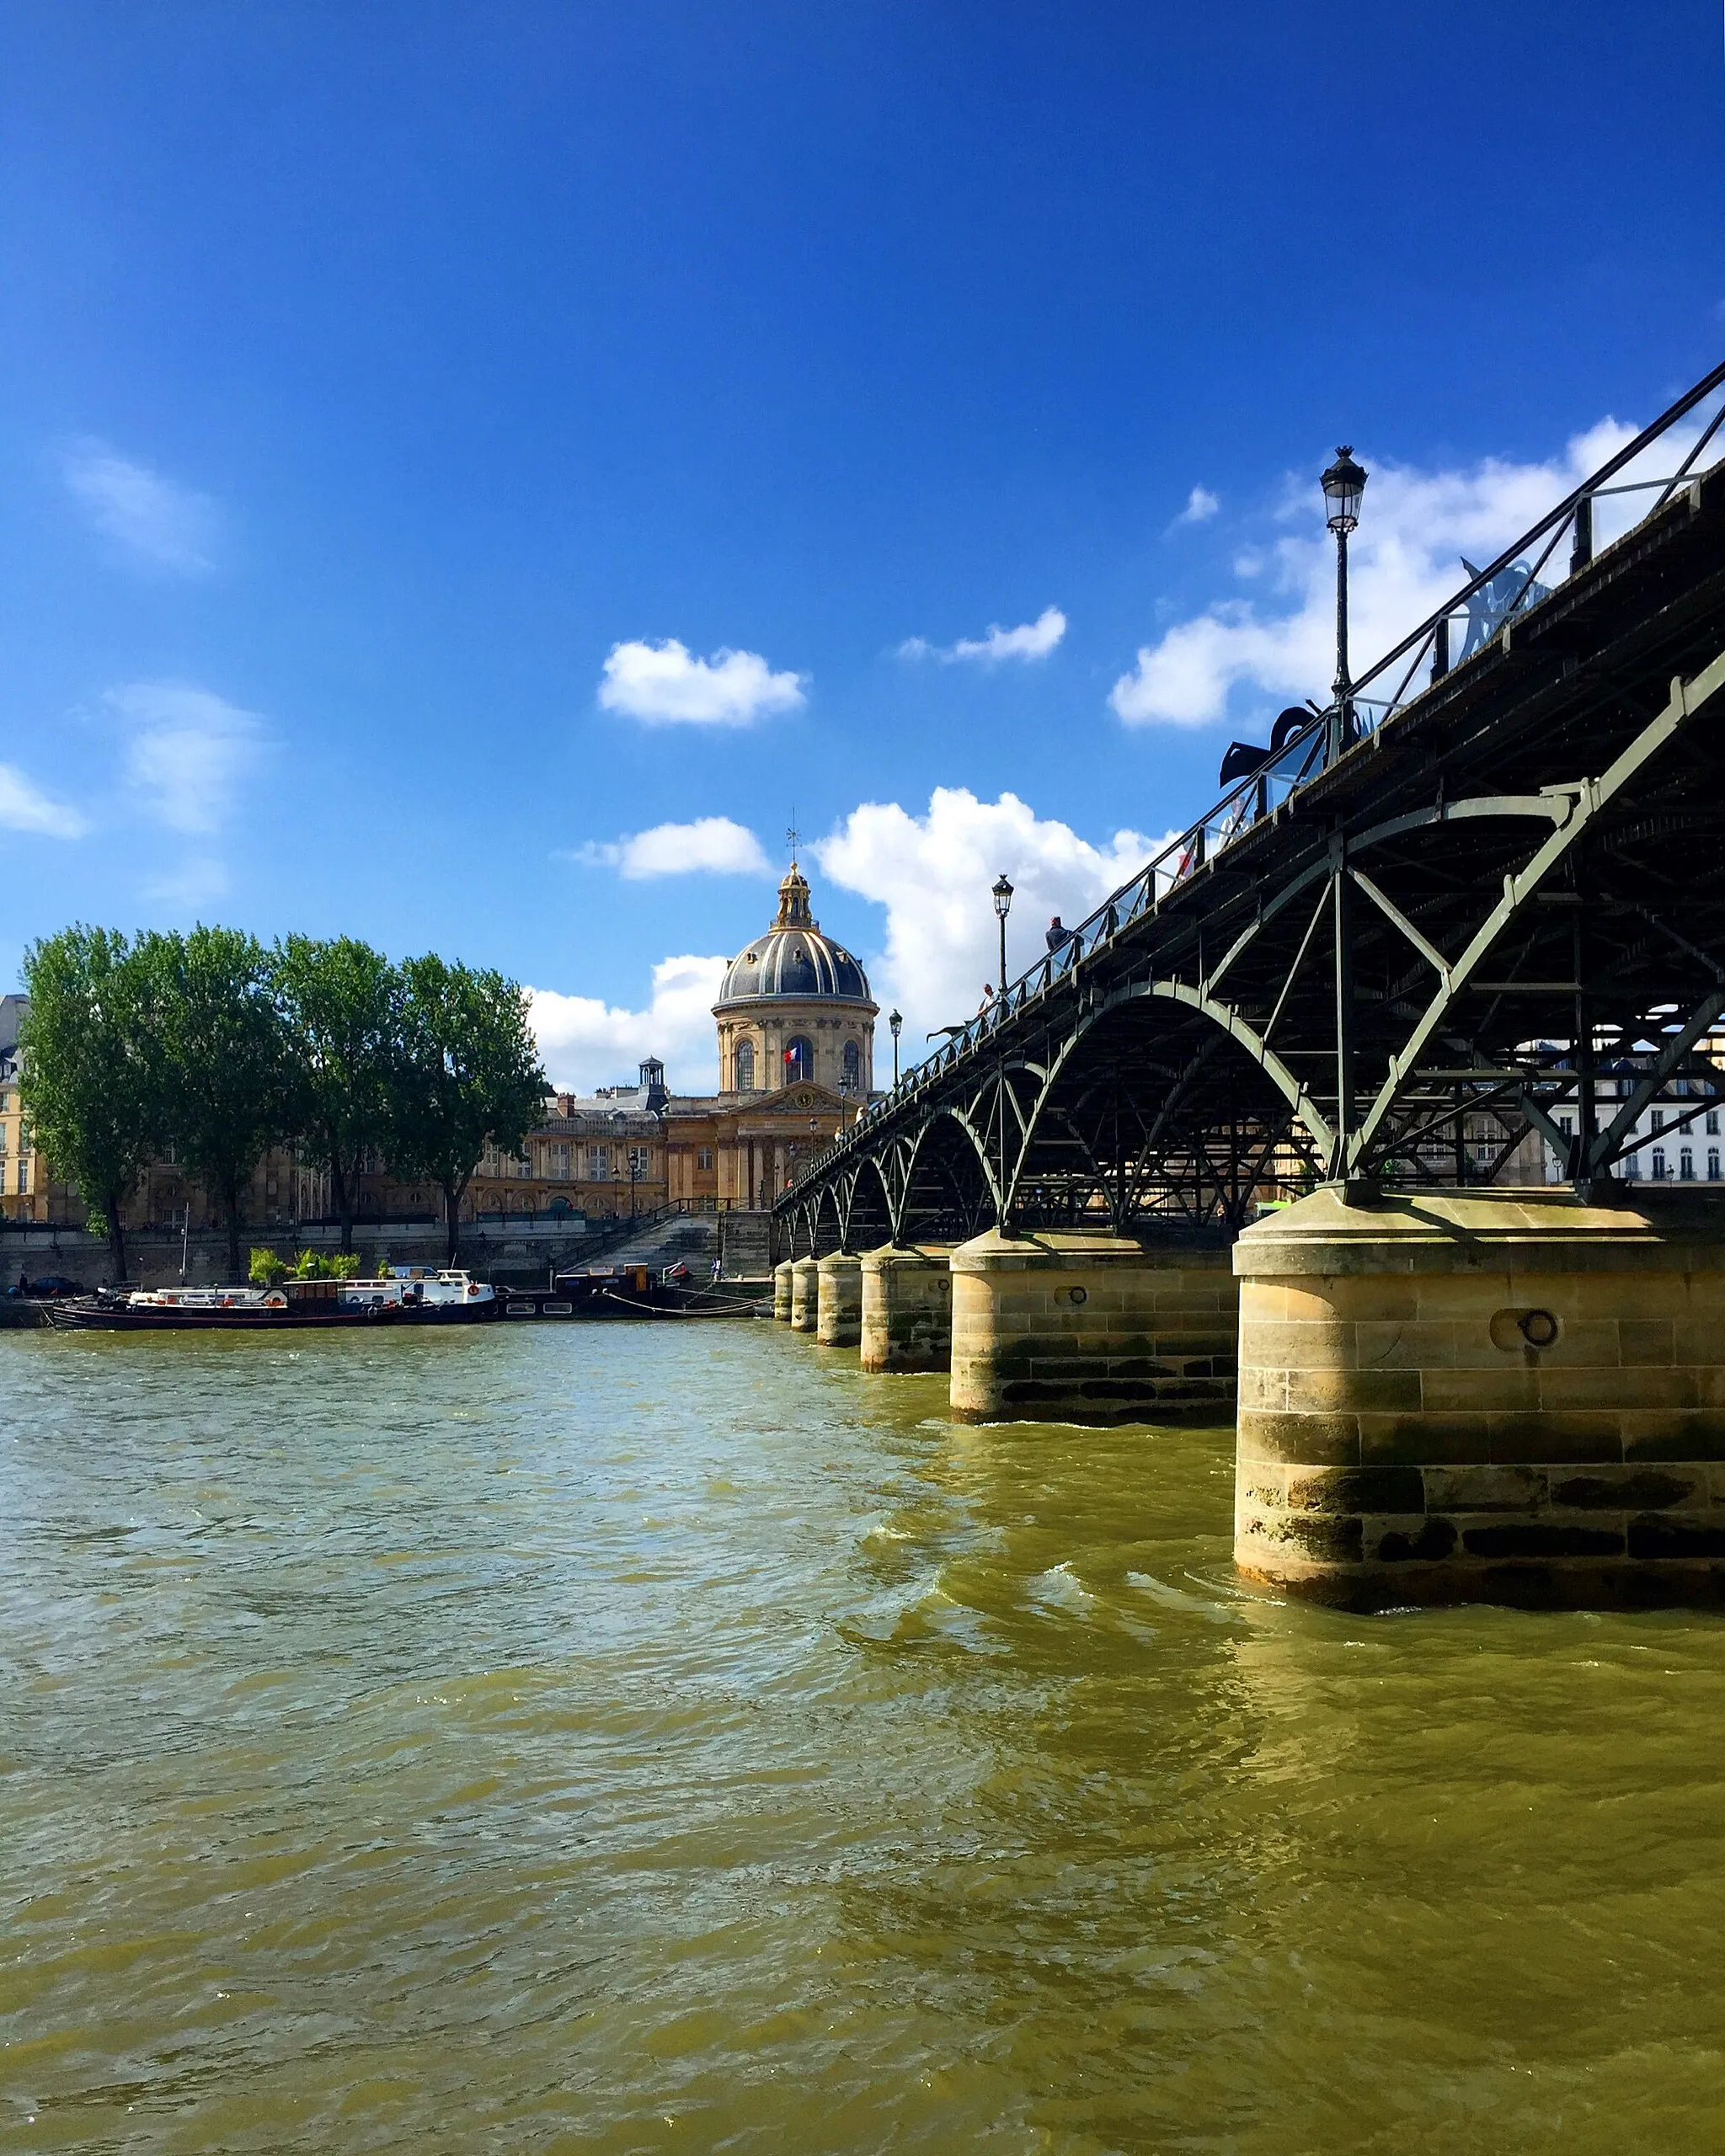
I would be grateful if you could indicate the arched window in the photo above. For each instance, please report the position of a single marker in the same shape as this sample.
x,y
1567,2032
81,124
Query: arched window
x,y
799,1059
851,1080
1685,1164
745,1066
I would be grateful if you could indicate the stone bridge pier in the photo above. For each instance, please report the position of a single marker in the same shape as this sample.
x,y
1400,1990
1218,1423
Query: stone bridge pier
x,y
1507,1396
805,1295
907,1307
839,1300
1057,1328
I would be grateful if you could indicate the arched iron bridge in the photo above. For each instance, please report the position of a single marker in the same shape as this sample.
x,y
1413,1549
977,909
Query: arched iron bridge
x,y
1374,949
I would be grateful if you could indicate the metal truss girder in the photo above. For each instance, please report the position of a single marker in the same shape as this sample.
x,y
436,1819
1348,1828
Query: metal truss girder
x,y
1470,807
1584,799
1229,1020
1607,1146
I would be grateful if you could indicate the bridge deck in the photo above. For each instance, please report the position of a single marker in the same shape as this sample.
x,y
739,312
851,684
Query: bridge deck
x,y
1519,872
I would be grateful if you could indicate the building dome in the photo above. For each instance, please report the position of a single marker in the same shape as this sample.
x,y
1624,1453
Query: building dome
x,y
794,1009
794,958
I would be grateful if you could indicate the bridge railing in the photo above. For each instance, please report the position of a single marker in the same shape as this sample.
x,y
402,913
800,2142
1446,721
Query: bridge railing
x,y
1511,585
1495,596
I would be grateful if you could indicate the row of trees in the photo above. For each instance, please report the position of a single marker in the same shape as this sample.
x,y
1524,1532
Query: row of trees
x,y
221,1047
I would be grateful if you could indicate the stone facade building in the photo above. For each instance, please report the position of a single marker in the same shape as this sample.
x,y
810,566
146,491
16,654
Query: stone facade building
x,y
796,1040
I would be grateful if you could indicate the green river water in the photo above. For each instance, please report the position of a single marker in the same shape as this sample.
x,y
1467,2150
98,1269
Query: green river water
x,y
643,1739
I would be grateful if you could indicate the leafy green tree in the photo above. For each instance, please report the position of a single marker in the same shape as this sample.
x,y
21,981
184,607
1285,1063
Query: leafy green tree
x,y
471,1077
90,1070
225,1064
341,1004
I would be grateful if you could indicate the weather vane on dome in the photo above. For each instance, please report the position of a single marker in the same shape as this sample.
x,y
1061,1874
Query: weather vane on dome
x,y
792,835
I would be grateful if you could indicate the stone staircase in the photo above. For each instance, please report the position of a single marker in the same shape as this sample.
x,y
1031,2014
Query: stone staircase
x,y
693,1237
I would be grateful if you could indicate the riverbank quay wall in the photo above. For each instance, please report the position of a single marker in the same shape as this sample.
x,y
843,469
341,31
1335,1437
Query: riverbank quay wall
x,y
1496,1394
157,1260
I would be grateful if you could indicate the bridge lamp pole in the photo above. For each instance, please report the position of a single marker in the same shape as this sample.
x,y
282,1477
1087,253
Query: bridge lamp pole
x,y
1344,484
1002,906
895,1022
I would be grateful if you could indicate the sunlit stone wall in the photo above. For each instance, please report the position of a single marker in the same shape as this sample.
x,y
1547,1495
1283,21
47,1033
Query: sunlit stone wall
x,y
1086,1328
1491,1394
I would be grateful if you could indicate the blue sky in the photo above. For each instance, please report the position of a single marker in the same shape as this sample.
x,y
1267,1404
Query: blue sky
x,y
383,389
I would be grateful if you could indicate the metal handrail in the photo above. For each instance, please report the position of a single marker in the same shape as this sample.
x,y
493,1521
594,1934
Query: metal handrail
x,y
1301,758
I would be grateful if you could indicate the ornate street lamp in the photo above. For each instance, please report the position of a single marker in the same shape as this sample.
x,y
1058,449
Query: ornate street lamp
x,y
1344,484
1003,906
895,1020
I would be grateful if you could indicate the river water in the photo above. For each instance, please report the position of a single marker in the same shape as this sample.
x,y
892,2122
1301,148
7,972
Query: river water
x,y
645,1738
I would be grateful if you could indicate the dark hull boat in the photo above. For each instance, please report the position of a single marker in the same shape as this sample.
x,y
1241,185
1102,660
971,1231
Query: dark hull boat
x,y
411,1296
627,1291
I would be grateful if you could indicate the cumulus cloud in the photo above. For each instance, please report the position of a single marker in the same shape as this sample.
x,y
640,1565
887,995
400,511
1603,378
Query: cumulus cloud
x,y
1201,505
585,1041
713,845
665,685
1404,561
187,751
24,806
1029,640
929,873
169,526
933,874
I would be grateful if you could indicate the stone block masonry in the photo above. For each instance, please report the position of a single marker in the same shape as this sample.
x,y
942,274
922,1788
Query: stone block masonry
x,y
839,1300
805,1292
782,1291
907,1308
1492,1395
1089,1328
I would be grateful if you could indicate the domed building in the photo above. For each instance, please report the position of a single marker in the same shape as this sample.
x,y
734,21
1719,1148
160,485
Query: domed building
x,y
794,1009
796,1053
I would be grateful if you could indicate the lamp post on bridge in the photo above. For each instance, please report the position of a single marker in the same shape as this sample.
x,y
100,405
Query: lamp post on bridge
x,y
1343,483
895,1020
1003,906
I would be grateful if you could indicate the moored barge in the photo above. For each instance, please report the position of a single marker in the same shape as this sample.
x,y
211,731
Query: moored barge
x,y
408,1295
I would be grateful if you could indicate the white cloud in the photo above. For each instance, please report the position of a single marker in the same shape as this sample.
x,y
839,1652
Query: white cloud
x,y
187,751
24,807
585,1041
1029,640
664,685
170,526
1201,505
711,844
1404,561
933,873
